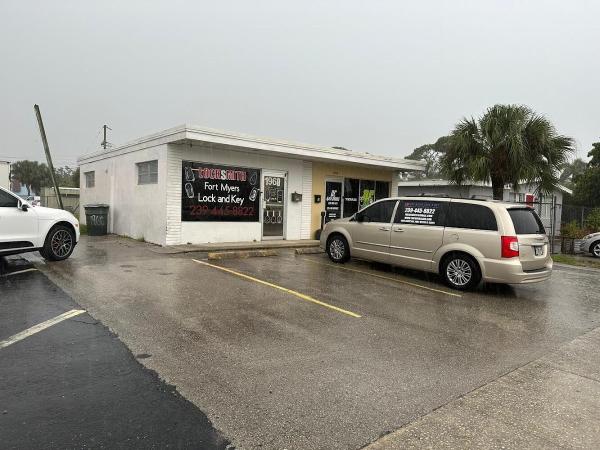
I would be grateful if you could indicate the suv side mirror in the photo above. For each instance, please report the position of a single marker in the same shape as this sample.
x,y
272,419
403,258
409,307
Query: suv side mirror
x,y
22,206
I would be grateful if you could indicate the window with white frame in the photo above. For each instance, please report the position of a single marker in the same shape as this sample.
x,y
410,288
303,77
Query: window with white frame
x,y
147,172
90,179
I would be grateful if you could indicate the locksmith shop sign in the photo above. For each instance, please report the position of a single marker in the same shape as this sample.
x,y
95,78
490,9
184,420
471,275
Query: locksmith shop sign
x,y
219,193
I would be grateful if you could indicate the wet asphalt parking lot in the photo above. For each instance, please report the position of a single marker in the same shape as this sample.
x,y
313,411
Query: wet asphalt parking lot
x,y
293,351
75,385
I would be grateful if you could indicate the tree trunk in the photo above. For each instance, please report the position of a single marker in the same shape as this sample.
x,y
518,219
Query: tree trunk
x,y
498,187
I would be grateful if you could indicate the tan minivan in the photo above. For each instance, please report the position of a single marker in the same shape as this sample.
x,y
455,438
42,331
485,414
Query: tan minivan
x,y
465,241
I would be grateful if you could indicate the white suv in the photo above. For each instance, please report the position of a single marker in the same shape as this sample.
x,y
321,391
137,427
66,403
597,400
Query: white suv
x,y
25,228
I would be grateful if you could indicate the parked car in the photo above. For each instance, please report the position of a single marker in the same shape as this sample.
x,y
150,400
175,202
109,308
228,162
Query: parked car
x,y
53,232
591,244
465,241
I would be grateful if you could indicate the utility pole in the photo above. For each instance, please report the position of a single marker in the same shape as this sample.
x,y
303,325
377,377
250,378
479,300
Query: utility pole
x,y
104,141
38,114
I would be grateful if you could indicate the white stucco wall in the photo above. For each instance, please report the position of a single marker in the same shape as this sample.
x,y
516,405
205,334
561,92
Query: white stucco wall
x,y
297,214
4,175
137,211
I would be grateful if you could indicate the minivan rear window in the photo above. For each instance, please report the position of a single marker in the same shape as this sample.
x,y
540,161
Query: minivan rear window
x,y
468,215
526,221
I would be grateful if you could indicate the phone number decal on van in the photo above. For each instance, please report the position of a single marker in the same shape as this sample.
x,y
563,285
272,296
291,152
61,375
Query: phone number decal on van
x,y
419,213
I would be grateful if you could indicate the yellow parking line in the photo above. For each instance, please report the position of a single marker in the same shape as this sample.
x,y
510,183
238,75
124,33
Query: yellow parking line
x,y
308,298
336,266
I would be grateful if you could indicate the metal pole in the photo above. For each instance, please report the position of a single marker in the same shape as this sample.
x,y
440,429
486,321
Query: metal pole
x,y
38,114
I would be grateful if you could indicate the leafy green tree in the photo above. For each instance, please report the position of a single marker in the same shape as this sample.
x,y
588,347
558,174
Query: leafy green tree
x,y
593,220
587,187
431,154
594,154
587,184
67,177
509,144
571,170
31,174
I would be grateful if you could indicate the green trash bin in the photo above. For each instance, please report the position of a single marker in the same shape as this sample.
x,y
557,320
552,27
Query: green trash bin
x,y
96,218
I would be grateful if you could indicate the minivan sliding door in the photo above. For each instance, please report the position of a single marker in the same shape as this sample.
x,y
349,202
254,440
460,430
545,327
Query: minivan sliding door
x,y
417,232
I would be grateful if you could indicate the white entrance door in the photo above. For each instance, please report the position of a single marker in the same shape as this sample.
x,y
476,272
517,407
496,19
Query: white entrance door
x,y
273,204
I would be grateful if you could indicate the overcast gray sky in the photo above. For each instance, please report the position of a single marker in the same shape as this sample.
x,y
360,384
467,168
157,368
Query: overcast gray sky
x,y
375,76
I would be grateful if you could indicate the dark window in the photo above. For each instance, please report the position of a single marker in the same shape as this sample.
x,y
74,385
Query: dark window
x,y
468,215
526,221
7,200
421,212
350,196
379,212
382,190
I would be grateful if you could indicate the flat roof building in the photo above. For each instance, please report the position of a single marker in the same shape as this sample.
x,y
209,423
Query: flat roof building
x,y
196,185
5,174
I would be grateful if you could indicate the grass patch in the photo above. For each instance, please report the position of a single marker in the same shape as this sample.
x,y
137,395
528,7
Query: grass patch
x,y
575,261
82,229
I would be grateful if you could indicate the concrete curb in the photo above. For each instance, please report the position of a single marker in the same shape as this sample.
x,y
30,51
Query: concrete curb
x,y
230,246
240,254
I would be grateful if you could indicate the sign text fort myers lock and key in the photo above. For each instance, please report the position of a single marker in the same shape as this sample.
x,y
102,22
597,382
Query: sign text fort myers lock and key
x,y
219,193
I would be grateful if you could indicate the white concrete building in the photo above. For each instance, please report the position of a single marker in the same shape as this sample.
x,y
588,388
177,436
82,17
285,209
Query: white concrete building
x,y
5,174
195,185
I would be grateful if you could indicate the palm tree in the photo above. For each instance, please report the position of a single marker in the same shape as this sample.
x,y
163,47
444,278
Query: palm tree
x,y
509,144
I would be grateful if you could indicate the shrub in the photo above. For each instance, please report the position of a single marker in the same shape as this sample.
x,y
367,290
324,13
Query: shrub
x,y
572,230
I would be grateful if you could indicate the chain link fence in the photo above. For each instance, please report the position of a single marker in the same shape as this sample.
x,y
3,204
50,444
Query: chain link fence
x,y
556,217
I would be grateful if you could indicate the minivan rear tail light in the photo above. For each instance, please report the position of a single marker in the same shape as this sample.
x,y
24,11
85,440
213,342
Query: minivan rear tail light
x,y
510,246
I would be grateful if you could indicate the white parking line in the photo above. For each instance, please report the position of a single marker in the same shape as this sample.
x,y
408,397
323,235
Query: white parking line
x,y
40,327
20,271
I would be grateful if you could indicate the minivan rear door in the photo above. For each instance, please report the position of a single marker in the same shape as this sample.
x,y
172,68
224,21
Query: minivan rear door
x,y
534,250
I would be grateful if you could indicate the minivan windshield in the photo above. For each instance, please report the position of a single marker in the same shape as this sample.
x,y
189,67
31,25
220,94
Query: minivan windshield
x,y
526,221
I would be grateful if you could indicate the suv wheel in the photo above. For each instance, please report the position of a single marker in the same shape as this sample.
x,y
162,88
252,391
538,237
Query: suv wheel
x,y
337,249
460,272
595,249
59,244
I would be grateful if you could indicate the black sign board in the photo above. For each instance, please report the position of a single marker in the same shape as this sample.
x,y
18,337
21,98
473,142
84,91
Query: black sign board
x,y
420,212
350,196
218,193
333,200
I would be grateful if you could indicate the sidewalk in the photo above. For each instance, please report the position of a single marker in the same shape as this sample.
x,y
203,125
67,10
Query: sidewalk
x,y
226,246
551,402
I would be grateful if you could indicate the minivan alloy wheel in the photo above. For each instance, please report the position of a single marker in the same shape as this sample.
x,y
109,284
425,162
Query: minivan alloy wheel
x,y
62,243
337,249
459,272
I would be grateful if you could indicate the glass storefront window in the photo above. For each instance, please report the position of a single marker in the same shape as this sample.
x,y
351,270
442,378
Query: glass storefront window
x,y
351,194
367,192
